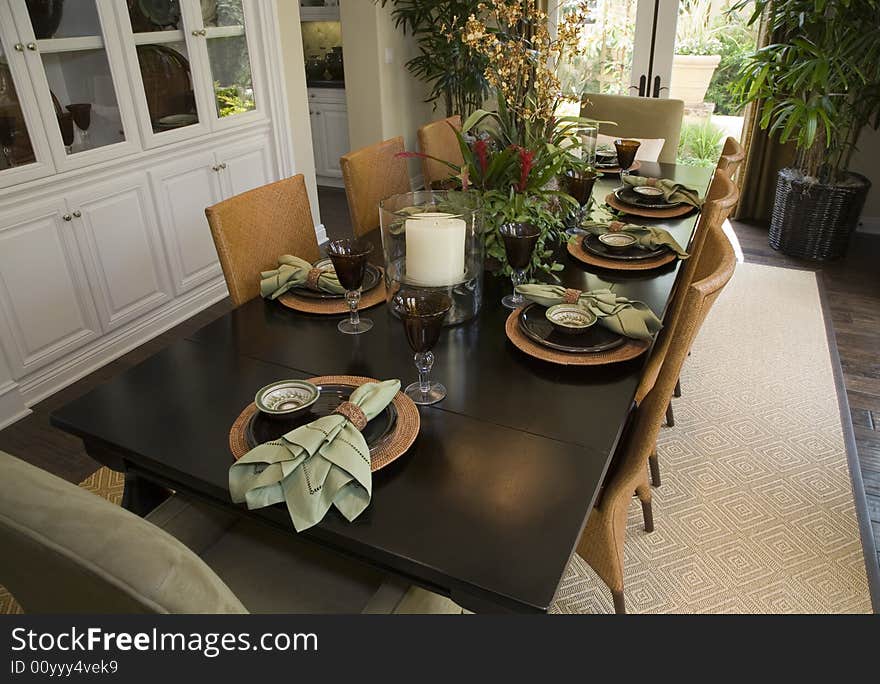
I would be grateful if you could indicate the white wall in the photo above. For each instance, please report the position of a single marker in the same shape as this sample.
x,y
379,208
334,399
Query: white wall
x,y
867,162
294,78
383,99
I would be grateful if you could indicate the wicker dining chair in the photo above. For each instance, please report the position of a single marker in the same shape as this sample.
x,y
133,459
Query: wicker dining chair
x,y
437,139
720,200
601,544
253,229
732,155
371,174
638,117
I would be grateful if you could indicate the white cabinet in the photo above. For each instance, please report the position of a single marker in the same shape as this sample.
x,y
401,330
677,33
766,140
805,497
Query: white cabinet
x,y
185,187
120,122
44,294
118,235
245,166
329,119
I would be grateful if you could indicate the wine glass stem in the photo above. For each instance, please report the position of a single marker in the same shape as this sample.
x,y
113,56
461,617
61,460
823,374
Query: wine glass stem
x,y
424,362
353,297
518,277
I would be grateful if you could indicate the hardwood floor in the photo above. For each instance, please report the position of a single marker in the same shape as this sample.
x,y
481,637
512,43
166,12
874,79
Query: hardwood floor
x,y
852,284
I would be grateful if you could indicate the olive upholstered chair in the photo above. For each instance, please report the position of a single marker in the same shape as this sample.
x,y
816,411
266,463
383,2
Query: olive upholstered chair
x,y
66,550
638,117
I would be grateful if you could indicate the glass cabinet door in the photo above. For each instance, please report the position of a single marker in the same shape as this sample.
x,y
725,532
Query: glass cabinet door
x,y
228,57
67,51
23,150
166,70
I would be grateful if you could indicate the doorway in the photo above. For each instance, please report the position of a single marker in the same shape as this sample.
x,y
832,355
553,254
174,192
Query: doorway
x,y
685,49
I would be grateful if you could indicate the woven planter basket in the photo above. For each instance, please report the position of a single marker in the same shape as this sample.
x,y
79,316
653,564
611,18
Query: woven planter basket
x,y
813,220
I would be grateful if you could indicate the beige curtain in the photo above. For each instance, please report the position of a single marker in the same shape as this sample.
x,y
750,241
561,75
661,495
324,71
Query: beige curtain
x,y
765,156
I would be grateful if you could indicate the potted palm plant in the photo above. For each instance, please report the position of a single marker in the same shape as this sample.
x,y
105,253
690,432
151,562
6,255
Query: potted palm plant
x,y
817,85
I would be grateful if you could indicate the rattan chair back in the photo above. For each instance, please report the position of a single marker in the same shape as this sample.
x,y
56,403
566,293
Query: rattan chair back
x,y
601,544
371,174
732,155
437,139
253,229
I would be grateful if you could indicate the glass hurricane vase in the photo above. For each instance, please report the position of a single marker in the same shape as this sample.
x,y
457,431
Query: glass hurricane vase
x,y
432,242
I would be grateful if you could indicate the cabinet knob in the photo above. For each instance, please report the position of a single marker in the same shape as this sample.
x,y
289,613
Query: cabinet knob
x,y
215,167
67,217
32,46
19,47
223,165
77,214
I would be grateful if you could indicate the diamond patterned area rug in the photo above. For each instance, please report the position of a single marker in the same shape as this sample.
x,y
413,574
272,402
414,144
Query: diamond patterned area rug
x,y
755,513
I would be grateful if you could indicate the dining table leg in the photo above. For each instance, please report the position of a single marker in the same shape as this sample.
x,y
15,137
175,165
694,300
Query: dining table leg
x,y
141,496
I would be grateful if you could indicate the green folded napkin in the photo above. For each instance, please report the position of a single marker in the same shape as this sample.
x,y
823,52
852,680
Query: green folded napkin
x,y
648,237
293,272
619,314
324,463
672,191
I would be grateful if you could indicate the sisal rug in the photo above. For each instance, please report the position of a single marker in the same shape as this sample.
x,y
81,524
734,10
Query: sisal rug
x,y
755,513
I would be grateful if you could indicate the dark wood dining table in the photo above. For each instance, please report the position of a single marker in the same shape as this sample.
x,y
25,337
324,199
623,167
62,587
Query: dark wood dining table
x,y
488,504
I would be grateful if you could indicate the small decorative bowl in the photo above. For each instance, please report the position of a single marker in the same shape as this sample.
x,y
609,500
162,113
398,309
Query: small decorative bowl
x,y
286,397
617,242
570,319
647,191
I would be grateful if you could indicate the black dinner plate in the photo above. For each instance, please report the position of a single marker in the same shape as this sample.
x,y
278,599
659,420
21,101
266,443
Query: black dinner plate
x,y
371,279
596,338
595,246
629,196
263,428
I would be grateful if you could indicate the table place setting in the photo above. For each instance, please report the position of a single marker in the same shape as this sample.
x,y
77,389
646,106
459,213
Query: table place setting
x,y
653,198
314,444
318,288
583,328
619,160
617,245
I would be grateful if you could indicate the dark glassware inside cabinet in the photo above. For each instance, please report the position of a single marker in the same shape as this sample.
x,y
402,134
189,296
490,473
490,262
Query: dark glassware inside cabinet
x,y
15,143
164,62
71,46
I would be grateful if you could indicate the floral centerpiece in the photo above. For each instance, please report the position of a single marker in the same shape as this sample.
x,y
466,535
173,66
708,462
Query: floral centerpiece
x,y
513,156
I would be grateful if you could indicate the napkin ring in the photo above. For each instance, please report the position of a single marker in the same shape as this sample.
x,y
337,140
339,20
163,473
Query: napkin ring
x,y
571,296
312,278
353,414
651,182
615,226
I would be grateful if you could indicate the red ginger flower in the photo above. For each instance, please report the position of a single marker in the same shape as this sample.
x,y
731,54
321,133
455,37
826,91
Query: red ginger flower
x,y
526,159
481,149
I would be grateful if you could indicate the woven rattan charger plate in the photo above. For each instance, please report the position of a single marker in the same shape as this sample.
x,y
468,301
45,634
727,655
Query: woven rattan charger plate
x,y
333,306
389,449
576,249
631,350
672,212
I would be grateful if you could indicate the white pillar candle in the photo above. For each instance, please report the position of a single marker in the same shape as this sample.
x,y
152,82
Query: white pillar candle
x,y
435,249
